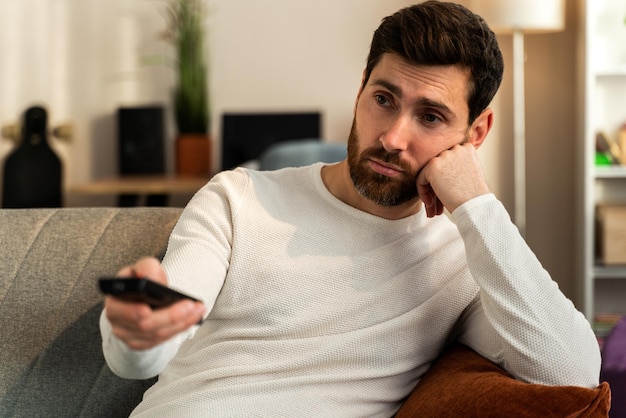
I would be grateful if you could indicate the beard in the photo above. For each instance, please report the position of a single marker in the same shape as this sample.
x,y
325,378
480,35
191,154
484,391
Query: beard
x,y
382,190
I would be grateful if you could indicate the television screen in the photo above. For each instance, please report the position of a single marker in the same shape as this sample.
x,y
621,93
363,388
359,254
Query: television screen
x,y
246,135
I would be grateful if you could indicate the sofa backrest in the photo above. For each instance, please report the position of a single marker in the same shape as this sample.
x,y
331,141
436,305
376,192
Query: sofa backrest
x,y
51,361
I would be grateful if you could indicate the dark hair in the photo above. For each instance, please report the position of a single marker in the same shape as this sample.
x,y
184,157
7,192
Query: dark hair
x,y
441,33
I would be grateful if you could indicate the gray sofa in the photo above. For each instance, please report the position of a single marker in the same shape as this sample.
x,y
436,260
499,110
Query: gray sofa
x,y
51,363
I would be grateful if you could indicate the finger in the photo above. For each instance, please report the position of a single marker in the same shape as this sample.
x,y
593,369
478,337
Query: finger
x,y
424,190
430,200
157,332
438,207
124,313
128,271
177,318
431,210
149,267
141,327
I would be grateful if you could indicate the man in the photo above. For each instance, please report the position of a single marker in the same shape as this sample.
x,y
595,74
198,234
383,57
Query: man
x,y
328,290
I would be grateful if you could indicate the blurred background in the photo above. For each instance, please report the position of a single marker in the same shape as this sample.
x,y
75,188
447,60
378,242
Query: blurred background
x,y
84,59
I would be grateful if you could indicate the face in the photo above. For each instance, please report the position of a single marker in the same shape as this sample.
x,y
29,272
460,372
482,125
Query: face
x,y
404,116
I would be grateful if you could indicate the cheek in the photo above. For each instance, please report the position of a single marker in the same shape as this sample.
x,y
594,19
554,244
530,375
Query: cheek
x,y
365,131
371,124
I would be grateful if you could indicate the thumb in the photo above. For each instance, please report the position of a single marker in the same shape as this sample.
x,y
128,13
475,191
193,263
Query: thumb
x,y
150,268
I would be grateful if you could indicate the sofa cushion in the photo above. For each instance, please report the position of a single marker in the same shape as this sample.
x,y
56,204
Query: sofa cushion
x,y
461,383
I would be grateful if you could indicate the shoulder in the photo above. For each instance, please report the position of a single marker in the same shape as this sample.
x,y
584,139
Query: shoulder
x,y
291,181
233,186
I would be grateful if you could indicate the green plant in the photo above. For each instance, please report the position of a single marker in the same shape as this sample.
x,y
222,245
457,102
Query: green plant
x,y
191,102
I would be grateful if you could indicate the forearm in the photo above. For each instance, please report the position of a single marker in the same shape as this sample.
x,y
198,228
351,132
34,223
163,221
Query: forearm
x,y
542,338
196,263
131,364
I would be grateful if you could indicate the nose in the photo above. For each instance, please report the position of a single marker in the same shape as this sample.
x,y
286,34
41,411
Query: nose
x,y
397,136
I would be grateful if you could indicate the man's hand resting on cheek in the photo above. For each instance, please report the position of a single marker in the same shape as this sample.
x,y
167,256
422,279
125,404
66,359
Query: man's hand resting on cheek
x,y
141,327
451,179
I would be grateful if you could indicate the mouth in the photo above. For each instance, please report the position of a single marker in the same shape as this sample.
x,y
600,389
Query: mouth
x,y
385,169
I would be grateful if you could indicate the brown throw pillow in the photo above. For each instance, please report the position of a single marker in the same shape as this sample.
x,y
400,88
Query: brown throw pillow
x,y
462,383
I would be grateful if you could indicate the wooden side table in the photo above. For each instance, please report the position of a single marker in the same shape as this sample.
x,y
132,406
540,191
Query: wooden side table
x,y
129,189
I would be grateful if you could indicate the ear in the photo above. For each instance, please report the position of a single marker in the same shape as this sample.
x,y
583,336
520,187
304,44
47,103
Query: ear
x,y
480,128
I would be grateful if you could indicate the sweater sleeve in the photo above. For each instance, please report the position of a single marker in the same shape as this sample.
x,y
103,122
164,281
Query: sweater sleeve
x,y
196,262
134,364
521,320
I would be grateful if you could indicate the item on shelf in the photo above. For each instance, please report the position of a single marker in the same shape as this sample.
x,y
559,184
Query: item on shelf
x,y
33,172
622,142
602,159
191,95
607,148
603,324
141,140
193,155
611,234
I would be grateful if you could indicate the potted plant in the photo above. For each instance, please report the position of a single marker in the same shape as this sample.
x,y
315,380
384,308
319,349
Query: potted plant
x,y
191,102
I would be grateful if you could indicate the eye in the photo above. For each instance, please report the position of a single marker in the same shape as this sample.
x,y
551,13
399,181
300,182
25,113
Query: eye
x,y
382,100
431,118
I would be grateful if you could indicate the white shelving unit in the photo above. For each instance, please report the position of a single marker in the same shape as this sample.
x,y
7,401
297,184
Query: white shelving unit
x,y
604,287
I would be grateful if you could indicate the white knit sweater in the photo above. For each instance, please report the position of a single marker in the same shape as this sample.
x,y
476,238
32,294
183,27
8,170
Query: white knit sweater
x,y
320,310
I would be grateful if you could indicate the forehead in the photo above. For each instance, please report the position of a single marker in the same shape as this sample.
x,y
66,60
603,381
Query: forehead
x,y
447,83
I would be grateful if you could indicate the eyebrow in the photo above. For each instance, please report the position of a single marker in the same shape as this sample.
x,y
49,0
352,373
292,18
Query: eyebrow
x,y
389,86
422,101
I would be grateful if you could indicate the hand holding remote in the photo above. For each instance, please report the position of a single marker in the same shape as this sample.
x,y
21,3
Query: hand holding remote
x,y
139,325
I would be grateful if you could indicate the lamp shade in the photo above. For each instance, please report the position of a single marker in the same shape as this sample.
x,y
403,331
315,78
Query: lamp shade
x,y
533,16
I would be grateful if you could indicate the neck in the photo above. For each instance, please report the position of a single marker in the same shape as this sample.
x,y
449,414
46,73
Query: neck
x,y
336,178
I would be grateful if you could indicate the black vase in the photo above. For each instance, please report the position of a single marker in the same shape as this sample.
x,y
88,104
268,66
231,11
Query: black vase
x,y
32,171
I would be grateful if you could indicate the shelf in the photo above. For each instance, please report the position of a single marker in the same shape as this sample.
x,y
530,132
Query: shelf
x,y
604,90
609,272
611,72
142,185
610,172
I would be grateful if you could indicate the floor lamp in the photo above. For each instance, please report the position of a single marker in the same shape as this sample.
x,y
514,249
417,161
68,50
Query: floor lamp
x,y
518,17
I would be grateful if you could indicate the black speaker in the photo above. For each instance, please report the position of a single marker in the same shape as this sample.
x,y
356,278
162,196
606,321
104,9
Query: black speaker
x,y
141,140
